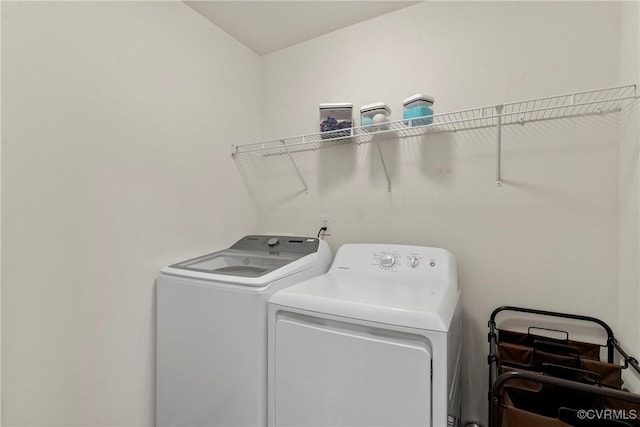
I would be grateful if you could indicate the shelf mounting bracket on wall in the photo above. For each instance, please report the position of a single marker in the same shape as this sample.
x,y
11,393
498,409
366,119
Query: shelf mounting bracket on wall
x,y
295,166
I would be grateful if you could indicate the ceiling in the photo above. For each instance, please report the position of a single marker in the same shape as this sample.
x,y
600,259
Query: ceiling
x,y
267,26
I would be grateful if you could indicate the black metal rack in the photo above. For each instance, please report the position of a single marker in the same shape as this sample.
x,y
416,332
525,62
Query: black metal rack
x,y
569,383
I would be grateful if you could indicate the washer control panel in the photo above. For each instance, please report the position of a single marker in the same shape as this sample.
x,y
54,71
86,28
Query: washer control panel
x,y
271,244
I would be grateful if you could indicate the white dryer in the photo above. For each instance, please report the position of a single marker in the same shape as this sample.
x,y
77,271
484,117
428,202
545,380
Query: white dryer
x,y
211,333
374,342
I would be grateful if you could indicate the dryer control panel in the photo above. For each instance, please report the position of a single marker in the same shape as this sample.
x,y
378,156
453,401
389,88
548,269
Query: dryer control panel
x,y
413,261
393,260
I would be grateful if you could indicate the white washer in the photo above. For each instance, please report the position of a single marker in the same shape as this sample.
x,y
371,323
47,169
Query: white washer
x,y
374,342
211,339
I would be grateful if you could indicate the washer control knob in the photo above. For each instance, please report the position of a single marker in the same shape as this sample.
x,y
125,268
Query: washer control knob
x,y
413,261
272,241
387,260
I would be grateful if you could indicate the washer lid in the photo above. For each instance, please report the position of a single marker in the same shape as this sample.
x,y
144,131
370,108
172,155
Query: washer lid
x,y
368,296
253,260
233,262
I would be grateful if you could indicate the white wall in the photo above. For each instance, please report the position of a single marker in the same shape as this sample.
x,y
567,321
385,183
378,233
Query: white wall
x,y
118,118
110,171
0,216
548,238
629,286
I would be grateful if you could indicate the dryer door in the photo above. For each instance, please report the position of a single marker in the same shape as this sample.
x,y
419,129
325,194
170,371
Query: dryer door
x,y
331,373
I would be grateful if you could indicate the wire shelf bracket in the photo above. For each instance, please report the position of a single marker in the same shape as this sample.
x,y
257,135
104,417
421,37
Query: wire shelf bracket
x,y
384,166
499,145
577,104
295,166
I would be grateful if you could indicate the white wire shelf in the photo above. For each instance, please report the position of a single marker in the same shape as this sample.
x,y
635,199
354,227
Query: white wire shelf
x,y
599,101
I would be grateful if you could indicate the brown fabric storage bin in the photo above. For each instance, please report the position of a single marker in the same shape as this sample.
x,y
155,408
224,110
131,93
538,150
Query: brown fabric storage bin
x,y
514,417
519,382
610,373
551,406
528,403
549,399
585,349
515,355
540,357
571,374
521,356
550,353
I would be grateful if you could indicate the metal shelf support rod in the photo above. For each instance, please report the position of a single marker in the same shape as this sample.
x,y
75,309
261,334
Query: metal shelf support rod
x,y
384,166
295,166
499,145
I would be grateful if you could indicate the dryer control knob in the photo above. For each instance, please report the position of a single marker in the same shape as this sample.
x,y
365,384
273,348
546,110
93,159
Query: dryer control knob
x,y
413,261
272,241
387,260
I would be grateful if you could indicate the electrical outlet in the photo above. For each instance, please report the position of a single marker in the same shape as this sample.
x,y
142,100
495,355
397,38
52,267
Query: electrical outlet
x,y
324,221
